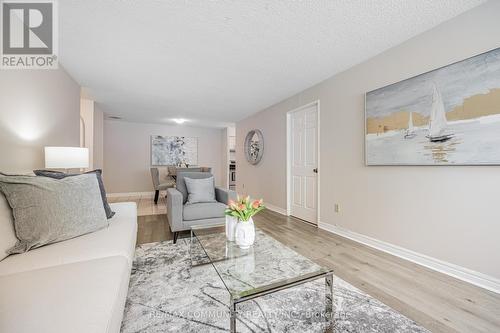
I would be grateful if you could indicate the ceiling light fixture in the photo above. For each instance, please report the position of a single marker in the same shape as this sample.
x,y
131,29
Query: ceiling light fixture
x,y
179,121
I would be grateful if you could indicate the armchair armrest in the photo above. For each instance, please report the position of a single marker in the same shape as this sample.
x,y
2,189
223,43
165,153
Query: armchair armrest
x,y
175,206
223,195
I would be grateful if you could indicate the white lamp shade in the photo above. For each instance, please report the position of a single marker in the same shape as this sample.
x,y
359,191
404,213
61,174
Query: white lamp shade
x,y
66,157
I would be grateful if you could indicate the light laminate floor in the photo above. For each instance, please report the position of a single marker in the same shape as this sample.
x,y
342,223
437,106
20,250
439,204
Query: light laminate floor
x,y
145,204
434,300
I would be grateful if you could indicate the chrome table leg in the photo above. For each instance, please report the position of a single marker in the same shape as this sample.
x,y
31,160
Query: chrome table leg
x,y
233,316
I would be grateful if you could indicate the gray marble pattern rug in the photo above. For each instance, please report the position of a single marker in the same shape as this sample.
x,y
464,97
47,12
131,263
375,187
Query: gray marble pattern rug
x,y
167,294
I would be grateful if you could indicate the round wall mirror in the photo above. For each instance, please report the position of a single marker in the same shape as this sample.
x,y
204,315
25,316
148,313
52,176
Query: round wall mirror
x,y
254,146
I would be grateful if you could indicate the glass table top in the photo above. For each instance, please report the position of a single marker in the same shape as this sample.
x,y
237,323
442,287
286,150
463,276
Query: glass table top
x,y
267,265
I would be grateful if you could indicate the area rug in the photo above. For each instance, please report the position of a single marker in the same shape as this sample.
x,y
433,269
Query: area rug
x,y
166,294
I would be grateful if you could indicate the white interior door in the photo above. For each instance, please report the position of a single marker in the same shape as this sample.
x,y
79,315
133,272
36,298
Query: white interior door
x,y
303,180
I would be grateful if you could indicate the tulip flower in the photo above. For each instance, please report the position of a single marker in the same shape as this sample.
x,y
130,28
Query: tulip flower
x,y
244,208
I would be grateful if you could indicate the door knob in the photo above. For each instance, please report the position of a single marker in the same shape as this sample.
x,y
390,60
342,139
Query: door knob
x,y
315,170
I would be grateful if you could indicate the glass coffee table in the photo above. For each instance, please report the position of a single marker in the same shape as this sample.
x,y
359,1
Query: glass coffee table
x,y
267,267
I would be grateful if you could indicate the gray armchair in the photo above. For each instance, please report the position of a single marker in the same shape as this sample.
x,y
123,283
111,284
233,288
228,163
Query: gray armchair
x,y
182,216
160,183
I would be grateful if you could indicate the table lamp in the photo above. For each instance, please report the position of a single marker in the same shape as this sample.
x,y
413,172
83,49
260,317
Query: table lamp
x,y
66,158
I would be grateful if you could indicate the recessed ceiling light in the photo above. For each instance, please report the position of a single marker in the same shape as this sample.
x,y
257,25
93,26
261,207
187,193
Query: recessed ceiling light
x,y
179,120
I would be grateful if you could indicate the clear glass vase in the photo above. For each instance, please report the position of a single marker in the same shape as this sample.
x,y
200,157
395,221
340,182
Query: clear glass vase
x,y
231,223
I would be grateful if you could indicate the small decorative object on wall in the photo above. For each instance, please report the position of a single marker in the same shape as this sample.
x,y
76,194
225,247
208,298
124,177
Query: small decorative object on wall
x,y
173,150
244,209
254,146
449,116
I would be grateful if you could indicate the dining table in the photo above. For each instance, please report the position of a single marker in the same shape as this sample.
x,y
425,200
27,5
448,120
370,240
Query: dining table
x,y
173,170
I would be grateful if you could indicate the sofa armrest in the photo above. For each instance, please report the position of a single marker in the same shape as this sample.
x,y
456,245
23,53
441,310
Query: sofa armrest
x,y
223,195
174,209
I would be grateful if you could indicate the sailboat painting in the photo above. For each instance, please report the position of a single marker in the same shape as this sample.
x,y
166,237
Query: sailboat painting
x,y
410,131
449,116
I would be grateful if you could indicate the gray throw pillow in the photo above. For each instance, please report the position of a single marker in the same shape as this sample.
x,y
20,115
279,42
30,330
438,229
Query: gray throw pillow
x,y
97,172
200,190
47,210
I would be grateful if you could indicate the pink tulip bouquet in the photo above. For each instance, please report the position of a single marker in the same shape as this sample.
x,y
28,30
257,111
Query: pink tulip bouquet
x,y
244,208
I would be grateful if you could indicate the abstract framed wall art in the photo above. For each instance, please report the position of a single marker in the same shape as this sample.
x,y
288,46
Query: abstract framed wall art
x,y
173,150
449,116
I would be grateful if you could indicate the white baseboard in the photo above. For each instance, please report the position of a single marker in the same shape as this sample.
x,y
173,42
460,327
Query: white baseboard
x,y
276,209
462,273
130,194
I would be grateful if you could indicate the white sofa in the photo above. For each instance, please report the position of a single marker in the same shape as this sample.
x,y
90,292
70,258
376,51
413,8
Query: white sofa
x,y
79,285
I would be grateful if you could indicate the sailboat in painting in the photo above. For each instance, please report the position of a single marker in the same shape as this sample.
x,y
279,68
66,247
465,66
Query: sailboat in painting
x,y
438,122
410,132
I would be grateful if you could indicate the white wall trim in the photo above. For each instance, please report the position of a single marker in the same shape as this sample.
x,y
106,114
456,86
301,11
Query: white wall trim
x,y
276,209
130,194
459,272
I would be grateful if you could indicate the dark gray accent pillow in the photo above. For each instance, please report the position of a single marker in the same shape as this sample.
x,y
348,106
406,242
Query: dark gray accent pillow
x,y
98,173
200,190
47,210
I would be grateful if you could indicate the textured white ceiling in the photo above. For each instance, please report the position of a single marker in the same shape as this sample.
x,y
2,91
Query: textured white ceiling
x,y
219,61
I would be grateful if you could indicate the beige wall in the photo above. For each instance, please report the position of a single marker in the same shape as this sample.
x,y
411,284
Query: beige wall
x,y
224,158
449,213
93,132
98,139
37,108
87,115
127,153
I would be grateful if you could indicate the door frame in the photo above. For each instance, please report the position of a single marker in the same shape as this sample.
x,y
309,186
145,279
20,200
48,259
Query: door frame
x,y
289,157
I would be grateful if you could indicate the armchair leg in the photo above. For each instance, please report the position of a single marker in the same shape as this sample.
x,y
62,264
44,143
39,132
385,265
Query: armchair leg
x,y
176,235
157,193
